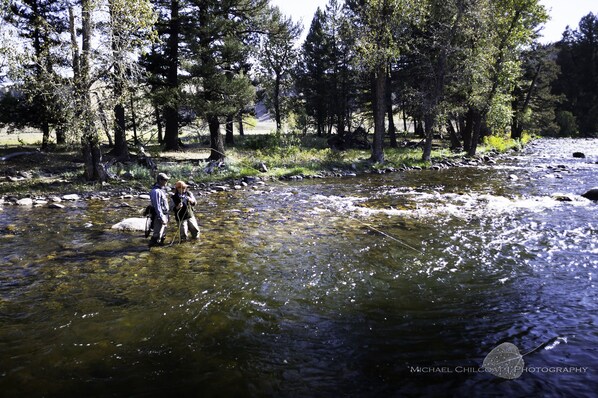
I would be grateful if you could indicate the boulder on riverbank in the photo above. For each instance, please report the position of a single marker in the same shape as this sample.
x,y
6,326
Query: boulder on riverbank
x,y
591,194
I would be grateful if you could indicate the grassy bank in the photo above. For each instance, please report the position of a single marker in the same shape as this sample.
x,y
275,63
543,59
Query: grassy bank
x,y
268,156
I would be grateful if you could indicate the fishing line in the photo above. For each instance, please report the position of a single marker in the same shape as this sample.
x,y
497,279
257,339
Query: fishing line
x,y
387,235
375,229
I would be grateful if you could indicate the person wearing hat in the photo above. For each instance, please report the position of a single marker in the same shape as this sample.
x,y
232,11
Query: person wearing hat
x,y
183,211
159,199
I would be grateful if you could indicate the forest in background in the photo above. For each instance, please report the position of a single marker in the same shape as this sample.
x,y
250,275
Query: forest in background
x,y
85,70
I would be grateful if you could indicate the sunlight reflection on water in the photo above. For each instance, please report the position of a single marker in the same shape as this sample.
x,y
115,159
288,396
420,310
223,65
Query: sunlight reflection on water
x,y
306,290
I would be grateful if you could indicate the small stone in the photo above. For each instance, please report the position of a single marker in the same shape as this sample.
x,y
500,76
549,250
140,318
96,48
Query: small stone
x,y
54,199
144,196
220,188
55,206
238,187
513,177
579,155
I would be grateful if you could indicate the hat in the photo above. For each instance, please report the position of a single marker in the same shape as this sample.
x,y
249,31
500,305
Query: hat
x,y
180,185
163,177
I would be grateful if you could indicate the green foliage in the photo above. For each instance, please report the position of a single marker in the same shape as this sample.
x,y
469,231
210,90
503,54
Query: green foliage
x,y
278,58
578,80
567,124
503,143
500,114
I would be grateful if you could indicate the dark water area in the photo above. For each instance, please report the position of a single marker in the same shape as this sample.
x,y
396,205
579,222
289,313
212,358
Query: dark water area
x,y
384,285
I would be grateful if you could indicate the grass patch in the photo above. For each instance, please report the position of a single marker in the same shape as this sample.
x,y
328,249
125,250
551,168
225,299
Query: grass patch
x,y
502,143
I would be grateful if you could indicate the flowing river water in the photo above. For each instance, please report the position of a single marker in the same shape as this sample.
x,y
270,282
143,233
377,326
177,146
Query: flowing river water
x,y
381,285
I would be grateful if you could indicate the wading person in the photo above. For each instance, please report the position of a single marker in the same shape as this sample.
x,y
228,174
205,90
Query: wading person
x,y
159,198
183,211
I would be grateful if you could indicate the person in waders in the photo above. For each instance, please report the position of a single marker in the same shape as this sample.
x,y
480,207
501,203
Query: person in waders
x,y
159,199
183,211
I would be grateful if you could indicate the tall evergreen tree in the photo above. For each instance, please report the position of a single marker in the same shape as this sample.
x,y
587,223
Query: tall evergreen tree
x,y
222,32
40,23
312,74
278,58
129,24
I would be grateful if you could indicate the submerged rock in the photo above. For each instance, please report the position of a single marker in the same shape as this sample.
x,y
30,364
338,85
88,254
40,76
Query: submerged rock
x,y
591,194
131,224
561,197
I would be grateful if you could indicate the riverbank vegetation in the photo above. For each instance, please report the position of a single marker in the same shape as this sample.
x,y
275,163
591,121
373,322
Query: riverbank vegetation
x,y
226,90
256,157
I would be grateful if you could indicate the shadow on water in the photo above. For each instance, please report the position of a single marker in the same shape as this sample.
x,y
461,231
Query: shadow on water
x,y
395,285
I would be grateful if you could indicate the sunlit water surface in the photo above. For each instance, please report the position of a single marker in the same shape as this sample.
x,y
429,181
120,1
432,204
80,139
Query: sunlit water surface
x,y
392,285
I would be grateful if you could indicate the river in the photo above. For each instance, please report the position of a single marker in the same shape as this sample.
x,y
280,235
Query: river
x,y
380,285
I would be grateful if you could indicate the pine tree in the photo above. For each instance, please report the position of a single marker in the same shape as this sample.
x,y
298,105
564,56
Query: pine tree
x,y
312,74
278,58
39,23
222,33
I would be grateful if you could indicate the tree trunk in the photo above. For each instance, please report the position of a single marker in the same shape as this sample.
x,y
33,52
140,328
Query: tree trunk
x,y
379,105
120,140
419,129
241,129
45,135
467,129
134,121
455,141
216,144
104,121
475,137
405,128
230,139
60,135
392,131
429,136
171,133
277,113
159,124
516,126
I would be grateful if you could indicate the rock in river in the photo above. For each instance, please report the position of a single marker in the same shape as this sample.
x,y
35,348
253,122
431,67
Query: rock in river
x,y
591,194
131,224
